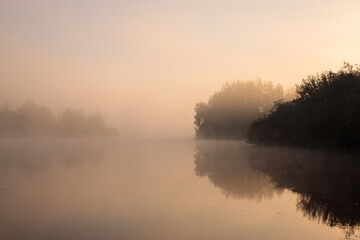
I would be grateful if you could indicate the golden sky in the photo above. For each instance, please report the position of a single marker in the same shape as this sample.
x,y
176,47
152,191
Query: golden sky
x,y
144,64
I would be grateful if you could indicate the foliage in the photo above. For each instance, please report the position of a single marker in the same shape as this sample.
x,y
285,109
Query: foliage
x,y
229,111
31,119
326,113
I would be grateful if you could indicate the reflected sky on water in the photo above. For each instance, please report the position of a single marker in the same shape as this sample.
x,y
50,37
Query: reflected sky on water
x,y
179,189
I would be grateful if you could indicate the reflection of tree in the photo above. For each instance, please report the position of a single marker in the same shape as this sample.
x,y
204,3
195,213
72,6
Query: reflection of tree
x,y
33,156
226,166
327,183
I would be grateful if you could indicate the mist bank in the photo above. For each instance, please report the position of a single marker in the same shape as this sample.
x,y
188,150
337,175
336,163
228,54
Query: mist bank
x,y
324,112
33,120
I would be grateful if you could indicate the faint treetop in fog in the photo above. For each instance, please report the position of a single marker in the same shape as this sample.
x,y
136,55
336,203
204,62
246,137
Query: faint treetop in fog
x,y
31,119
229,111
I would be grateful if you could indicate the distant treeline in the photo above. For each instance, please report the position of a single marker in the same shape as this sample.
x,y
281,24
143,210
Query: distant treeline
x,y
35,120
324,111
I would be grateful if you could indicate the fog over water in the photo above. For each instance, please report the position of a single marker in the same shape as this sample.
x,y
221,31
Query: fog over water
x,y
100,103
145,64
95,189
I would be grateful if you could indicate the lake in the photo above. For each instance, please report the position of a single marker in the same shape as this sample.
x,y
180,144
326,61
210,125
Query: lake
x,y
175,189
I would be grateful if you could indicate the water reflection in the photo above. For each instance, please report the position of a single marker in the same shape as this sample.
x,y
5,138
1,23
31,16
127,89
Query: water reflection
x,y
327,183
31,157
84,189
227,167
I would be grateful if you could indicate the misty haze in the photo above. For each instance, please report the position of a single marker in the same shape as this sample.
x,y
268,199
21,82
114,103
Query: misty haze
x,y
179,120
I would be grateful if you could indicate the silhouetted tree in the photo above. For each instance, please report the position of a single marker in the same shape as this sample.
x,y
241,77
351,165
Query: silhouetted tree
x,y
326,113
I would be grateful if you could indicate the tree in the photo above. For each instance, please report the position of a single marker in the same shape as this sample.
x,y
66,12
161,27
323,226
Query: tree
x,y
326,113
31,119
228,112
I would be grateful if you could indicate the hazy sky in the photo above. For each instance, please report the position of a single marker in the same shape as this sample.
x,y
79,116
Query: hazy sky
x,y
144,64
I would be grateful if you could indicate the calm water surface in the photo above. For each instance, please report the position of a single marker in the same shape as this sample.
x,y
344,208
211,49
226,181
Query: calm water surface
x,y
112,189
